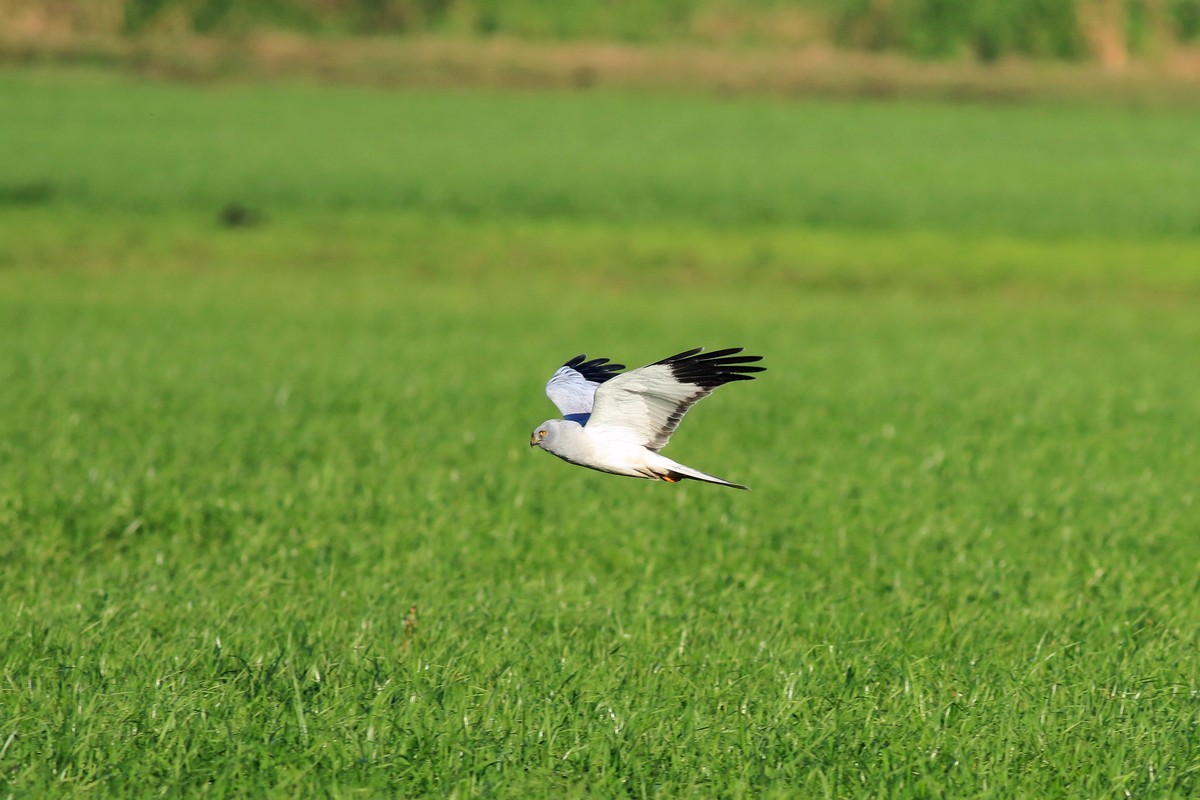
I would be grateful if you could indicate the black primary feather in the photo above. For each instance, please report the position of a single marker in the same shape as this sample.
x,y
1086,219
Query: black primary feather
x,y
711,370
598,370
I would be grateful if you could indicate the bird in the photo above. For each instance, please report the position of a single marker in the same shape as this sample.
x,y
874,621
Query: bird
x,y
616,422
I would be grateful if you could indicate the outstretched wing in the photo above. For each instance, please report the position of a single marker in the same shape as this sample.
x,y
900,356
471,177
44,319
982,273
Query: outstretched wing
x,y
644,406
573,385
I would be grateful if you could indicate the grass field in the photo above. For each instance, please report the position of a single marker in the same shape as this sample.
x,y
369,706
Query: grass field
x,y
233,460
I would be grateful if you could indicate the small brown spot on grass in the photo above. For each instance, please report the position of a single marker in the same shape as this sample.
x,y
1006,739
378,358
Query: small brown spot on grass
x,y
410,627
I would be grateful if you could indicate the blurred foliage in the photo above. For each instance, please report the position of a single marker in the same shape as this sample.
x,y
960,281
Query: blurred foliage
x,y
988,29
991,29
984,29
623,20
1185,14
309,16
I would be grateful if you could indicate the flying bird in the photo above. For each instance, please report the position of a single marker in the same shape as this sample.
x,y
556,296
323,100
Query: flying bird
x,y
617,422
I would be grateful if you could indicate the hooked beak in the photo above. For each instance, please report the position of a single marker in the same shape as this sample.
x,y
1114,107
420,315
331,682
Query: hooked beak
x,y
532,441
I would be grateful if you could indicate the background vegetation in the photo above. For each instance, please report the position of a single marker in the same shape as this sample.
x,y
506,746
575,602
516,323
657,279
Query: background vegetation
x,y
270,525
1058,29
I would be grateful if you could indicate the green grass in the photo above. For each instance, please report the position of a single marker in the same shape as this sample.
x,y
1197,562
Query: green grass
x,y
231,460
1036,171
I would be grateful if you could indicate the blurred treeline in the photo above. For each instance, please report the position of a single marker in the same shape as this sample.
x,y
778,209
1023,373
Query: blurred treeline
x,y
983,29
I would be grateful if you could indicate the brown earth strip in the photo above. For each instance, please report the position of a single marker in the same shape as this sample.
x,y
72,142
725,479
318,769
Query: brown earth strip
x,y
804,71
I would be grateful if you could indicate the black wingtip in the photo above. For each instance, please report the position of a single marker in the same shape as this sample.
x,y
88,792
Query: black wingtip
x,y
598,370
713,368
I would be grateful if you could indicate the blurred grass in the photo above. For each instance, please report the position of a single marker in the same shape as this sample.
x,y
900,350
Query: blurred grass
x,y
1029,171
603,257
233,457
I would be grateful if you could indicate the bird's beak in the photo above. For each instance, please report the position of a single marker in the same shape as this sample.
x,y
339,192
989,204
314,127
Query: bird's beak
x,y
532,441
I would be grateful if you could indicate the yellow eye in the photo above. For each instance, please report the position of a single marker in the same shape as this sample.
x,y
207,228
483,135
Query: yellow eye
x,y
541,434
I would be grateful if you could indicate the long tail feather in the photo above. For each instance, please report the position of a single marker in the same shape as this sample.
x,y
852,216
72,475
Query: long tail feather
x,y
678,472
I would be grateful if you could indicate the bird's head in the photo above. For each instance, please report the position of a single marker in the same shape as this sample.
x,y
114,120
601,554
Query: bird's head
x,y
541,434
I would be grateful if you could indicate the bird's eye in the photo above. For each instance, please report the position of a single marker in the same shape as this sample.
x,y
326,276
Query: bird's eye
x,y
541,434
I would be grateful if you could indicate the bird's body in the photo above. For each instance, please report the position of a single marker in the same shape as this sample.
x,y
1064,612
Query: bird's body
x,y
573,442
617,423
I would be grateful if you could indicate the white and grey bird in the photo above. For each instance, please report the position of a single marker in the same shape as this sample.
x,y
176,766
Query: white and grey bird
x,y
617,422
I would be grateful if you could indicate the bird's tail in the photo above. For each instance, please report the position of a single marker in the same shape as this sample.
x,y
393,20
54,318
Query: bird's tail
x,y
677,472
